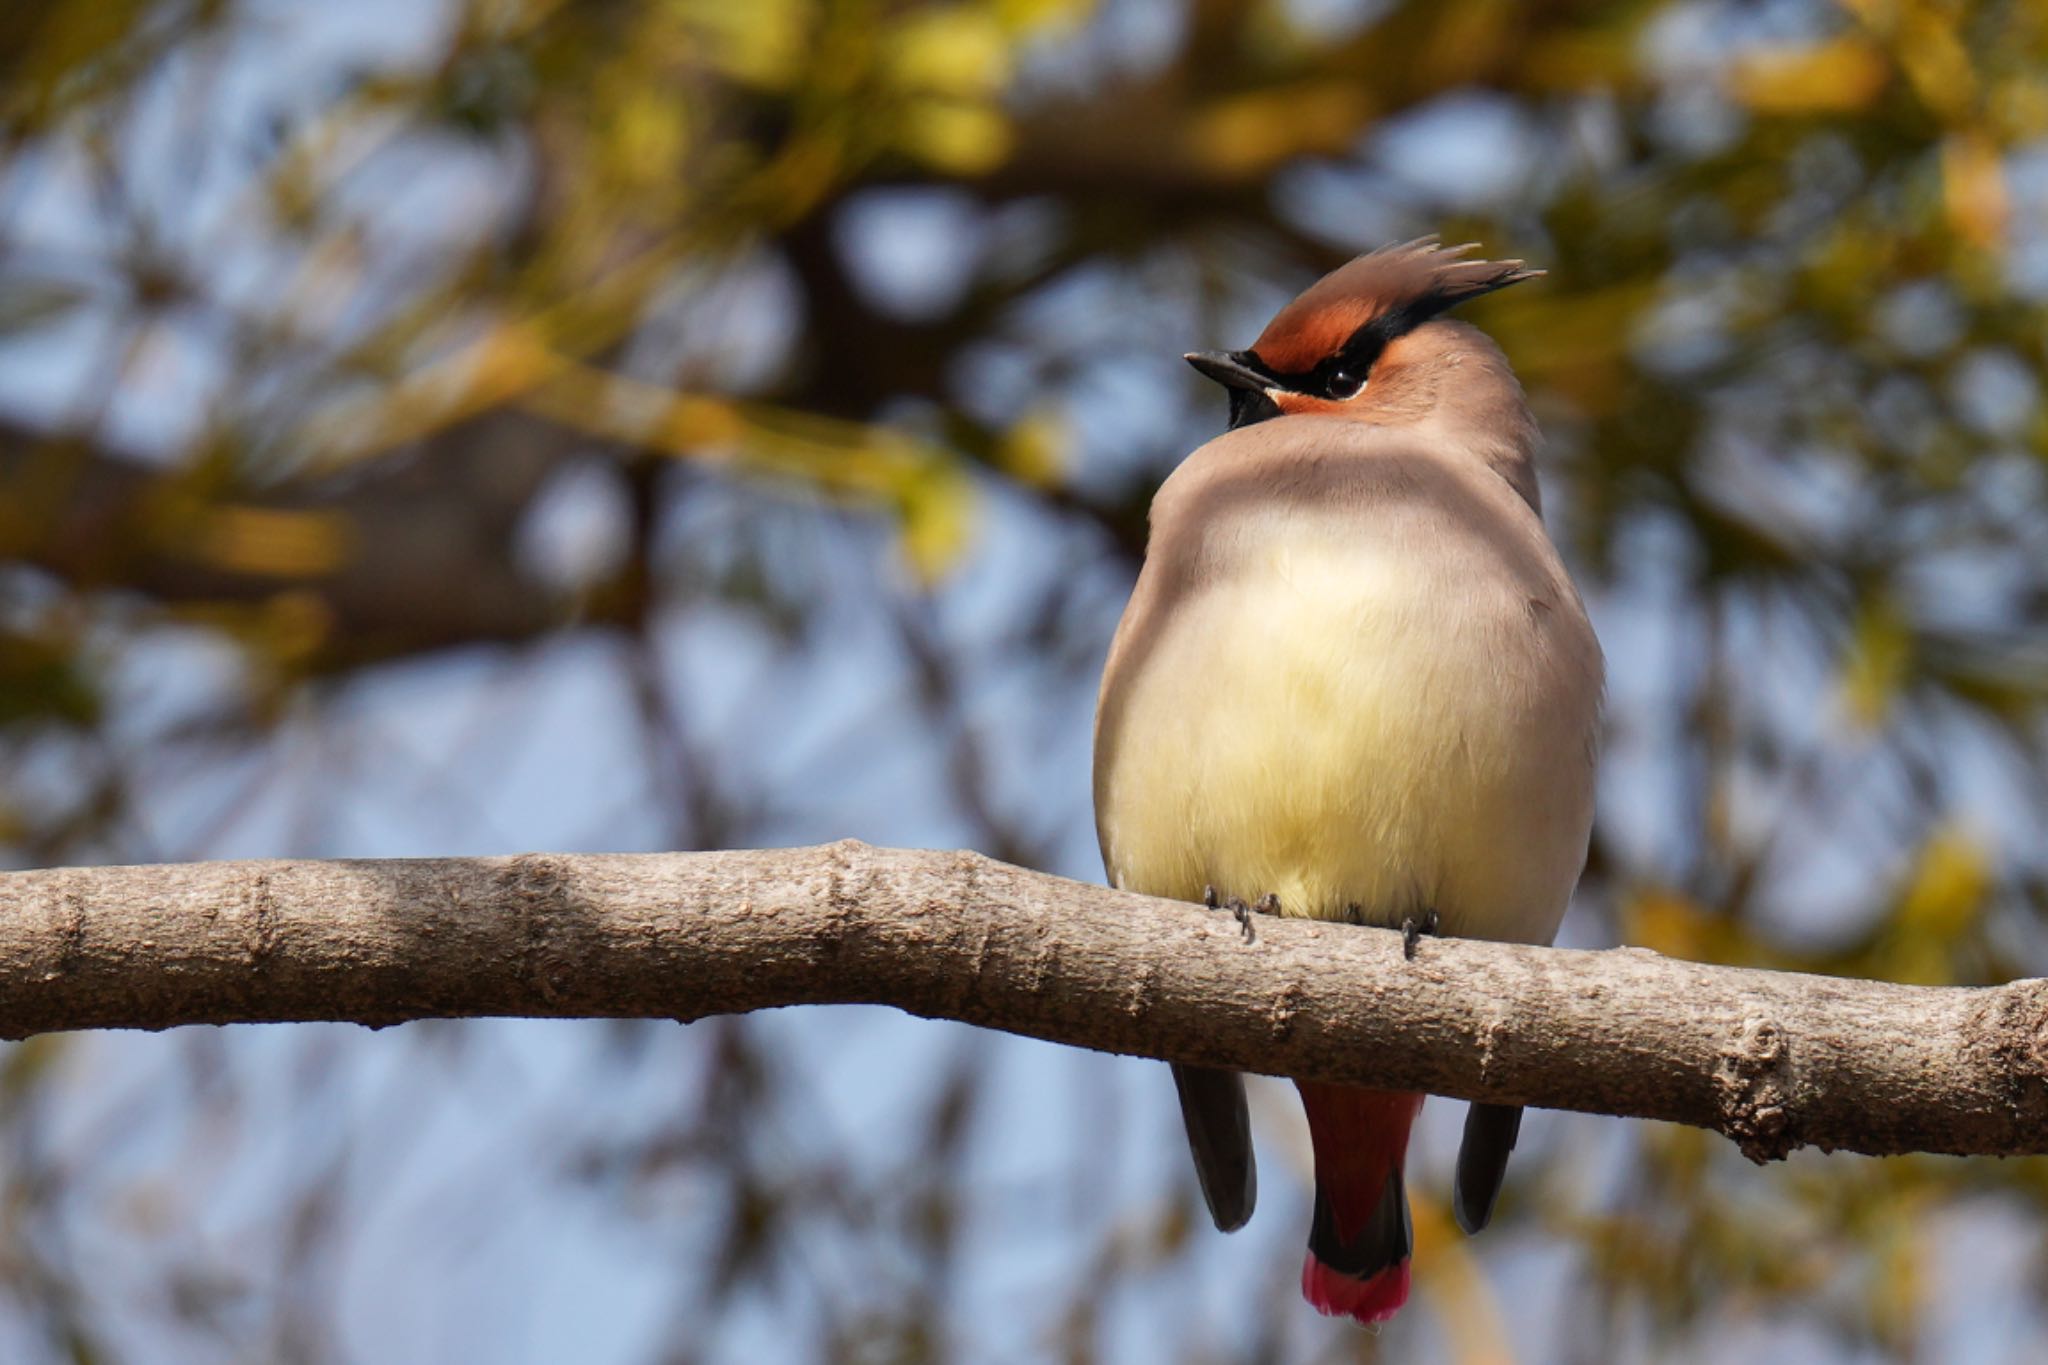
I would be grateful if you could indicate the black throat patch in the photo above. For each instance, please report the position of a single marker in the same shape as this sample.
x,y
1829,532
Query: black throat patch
x,y
1250,405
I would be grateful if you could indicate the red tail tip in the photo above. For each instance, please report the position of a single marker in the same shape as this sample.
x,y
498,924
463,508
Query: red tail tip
x,y
1371,1301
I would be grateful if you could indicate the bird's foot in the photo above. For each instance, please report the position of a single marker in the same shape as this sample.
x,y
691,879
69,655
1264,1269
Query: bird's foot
x,y
1412,930
1268,904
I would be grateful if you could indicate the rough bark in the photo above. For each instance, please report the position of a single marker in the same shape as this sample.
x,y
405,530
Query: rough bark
x,y
1775,1060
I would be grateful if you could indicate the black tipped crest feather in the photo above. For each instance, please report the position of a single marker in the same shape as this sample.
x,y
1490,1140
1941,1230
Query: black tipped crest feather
x,y
1326,341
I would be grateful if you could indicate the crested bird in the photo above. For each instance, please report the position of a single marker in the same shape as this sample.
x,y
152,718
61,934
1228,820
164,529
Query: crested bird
x,y
1355,682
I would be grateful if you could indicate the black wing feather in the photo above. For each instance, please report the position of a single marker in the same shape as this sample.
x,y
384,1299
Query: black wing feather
x,y
1490,1132
1212,1105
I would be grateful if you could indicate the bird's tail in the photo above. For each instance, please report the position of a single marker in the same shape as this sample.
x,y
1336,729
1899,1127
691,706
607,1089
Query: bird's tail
x,y
1359,1244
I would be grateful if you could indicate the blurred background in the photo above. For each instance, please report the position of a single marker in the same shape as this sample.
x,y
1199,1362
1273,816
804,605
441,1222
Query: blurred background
x,y
473,426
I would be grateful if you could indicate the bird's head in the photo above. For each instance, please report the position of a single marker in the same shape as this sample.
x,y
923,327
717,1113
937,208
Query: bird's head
x,y
1357,342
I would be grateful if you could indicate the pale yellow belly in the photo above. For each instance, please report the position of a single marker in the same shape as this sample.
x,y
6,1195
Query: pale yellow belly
x,y
1338,734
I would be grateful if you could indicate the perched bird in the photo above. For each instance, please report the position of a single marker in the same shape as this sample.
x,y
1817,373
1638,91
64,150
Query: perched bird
x,y
1354,682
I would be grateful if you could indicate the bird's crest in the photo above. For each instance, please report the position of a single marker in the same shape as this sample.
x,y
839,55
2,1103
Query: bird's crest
x,y
1398,287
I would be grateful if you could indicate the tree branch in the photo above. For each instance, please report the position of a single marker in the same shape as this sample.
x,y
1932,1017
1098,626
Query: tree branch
x,y
423,566
1775,1060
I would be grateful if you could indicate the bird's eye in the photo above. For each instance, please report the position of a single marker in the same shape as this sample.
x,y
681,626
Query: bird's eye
x,y
1345,383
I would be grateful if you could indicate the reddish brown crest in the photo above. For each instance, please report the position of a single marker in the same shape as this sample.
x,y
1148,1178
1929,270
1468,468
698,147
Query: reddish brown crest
x,y
1405,284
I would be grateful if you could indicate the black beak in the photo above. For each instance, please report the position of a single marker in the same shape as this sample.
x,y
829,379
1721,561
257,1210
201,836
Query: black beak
x,y
1229,370
1249,402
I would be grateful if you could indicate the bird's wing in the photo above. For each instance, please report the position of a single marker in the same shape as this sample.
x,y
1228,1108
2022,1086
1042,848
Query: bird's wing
x,y
1490,1132
1212,1105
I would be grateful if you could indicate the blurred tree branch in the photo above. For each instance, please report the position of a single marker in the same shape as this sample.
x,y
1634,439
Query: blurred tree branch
x,y
1774,1060
405,556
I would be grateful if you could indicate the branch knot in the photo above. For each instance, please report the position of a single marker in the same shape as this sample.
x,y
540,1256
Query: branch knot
x,y
1754,1103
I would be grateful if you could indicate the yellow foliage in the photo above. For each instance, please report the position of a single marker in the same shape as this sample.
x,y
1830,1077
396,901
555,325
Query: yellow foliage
x,y
1898,1288
28,1061
1948,885
1843,263
1684,1153
1251,133
955,51
295,626
650,133
1936,62
1841,75
1576,344
1973,189
1449,1275
2019,108
1673,924
867,465
1034,451
936,508
1879,653
694,422
1584,58
282,633
1940,899
1023,16
967,139
760,42
1466,36
273,542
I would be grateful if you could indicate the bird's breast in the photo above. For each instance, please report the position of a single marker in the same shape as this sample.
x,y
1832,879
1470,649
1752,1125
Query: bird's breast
x,y
1343,721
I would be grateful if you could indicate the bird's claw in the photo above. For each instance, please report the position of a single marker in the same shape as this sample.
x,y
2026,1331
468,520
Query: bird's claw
x,y
1268,904
1412,930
